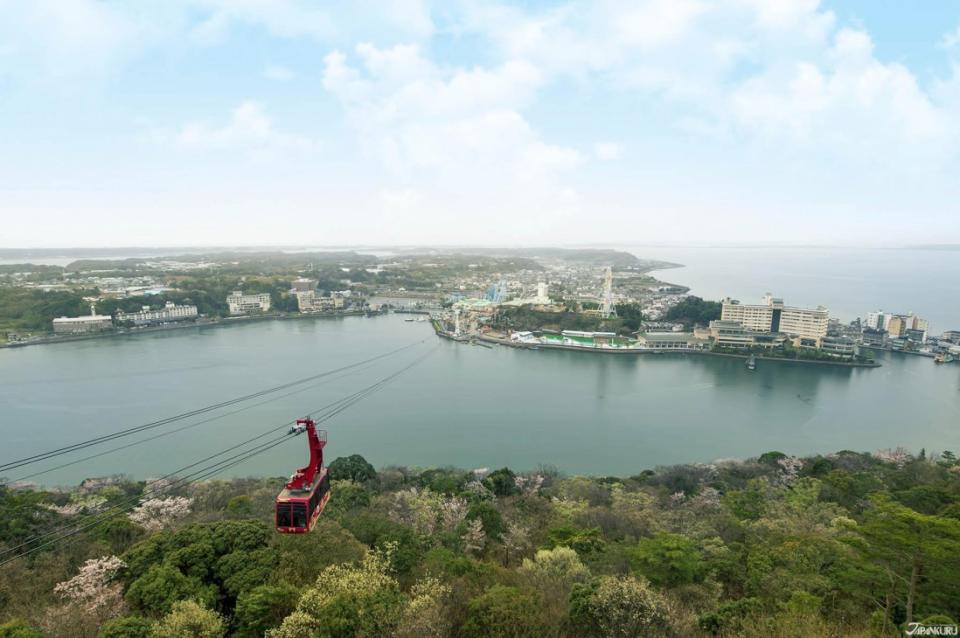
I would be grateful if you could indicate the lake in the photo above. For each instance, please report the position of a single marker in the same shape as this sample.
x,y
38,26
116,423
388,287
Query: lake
x,y
463,405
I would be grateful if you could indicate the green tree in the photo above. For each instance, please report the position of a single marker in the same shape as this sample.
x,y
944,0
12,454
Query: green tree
x,y
490,516
351,468
612,606
910,546
553,573
503,612
239,506
502,482
348,601
631,315
583,541
380,532
303,556
189,619
694,310
127,627
119,533
748,503
264,608
668,560
728,618
19,629
162,586
771,458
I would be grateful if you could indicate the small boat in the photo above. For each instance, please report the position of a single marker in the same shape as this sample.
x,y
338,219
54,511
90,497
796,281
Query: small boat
x,y
409,319
943,357
752,363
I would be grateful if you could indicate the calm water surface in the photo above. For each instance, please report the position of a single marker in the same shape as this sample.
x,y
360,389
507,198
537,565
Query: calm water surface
x,y
464,405
849,281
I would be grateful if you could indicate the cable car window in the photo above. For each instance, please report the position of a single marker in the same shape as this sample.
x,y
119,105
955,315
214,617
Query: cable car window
x,y
299,514
324,485
283,515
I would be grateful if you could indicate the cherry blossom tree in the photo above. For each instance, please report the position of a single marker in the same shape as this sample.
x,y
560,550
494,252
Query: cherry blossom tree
x,y
158,513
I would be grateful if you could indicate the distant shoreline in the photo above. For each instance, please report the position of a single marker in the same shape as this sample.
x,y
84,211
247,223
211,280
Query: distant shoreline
x,y
201,323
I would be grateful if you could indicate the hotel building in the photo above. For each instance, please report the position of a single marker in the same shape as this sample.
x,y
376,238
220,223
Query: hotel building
x,y
169,313
241,304
806,325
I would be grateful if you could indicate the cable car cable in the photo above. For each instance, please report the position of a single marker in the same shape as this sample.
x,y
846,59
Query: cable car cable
x,y
335,408
154,424
204,472
117,508
198,476
175,431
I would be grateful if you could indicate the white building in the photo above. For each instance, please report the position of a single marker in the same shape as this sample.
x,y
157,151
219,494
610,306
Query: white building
x,y
169,313
76,325
773,316
543,293
877,320
311,301
669,341
241,304
302,284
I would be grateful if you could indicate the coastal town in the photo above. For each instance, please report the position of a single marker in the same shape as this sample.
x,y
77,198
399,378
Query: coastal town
x,y
770,329
599,301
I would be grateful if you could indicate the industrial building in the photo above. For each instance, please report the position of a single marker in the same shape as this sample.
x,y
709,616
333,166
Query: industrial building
x,y
79,325
241,304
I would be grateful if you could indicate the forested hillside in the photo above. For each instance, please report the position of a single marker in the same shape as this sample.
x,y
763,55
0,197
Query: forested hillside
x,y
848,544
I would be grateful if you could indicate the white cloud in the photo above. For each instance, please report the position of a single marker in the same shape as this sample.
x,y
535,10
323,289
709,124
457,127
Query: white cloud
x,y
334,21
455,136
464,124
63,40
952,40
249,130
848,102
607,151
48,40
278,73
452,103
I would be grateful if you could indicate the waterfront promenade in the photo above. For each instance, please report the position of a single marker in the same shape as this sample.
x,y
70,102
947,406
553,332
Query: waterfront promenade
x,y
503,340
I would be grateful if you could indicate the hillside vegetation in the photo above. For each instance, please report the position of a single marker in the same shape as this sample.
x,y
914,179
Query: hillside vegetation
x,y
848,544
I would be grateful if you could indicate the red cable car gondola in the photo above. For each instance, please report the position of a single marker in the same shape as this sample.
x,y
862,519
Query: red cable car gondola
x,y
304,497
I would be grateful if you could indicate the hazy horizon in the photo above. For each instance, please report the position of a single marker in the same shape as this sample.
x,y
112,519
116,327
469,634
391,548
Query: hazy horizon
x,y
300,247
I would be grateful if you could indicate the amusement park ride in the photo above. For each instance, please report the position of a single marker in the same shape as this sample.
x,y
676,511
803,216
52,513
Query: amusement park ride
x,y
306,494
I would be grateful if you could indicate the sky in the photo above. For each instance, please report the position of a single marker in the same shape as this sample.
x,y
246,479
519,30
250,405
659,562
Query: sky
x,y
256,122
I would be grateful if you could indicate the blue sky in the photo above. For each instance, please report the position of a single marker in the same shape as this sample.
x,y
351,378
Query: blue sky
x,y
228,122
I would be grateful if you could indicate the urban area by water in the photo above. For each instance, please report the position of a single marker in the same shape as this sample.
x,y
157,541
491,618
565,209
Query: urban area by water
x,y
692,379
